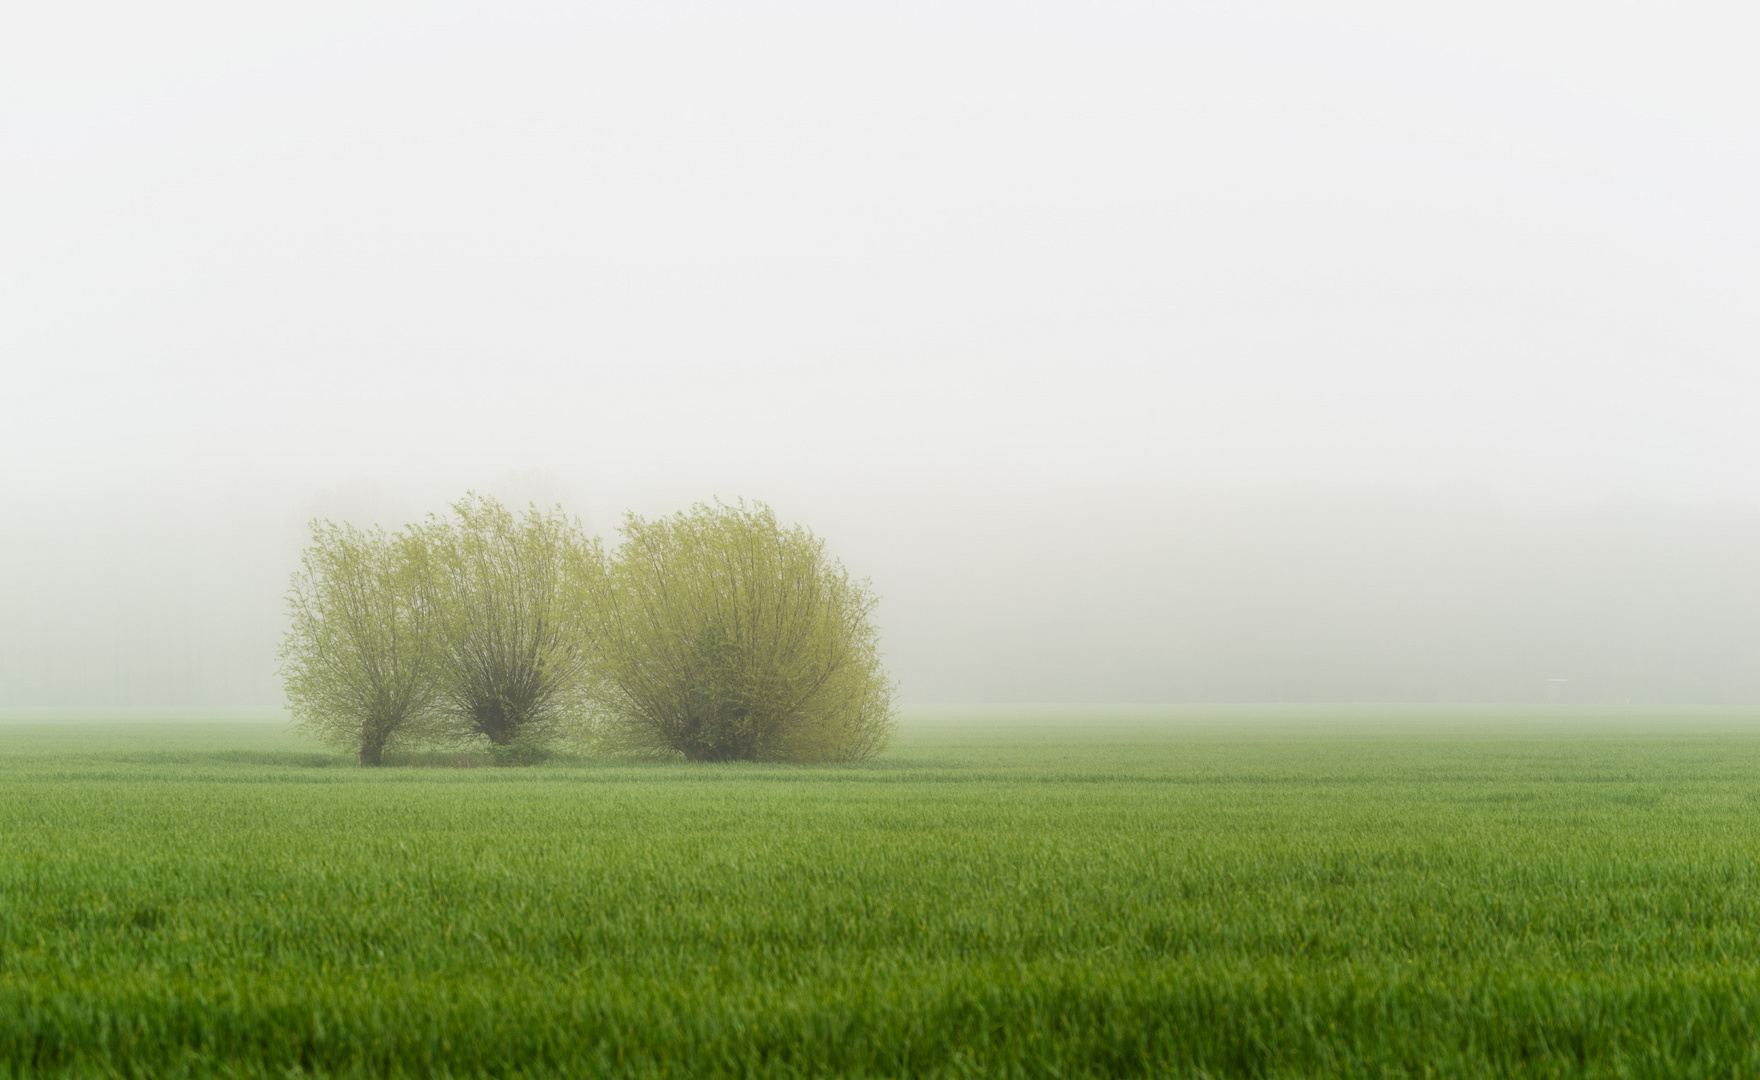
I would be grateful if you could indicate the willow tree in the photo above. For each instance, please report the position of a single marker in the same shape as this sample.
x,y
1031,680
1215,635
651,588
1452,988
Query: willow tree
x,y
512,595
723,636
358,660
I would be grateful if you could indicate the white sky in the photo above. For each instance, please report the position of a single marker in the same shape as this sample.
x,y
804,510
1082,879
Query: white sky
x,y
1138,351
1515,245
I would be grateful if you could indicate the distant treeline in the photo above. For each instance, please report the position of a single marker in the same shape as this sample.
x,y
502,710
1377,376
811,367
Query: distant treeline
x,y
715,634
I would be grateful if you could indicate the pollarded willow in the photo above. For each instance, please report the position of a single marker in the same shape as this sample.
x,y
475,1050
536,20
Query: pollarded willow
x,y
359,661
513,594
723,636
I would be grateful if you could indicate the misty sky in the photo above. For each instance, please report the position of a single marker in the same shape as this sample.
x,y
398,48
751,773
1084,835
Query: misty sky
x,y
927,275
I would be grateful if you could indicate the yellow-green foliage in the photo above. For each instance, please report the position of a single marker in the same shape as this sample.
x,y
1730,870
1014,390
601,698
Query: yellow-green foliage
x,y
513,593
726,637
715,634
357,660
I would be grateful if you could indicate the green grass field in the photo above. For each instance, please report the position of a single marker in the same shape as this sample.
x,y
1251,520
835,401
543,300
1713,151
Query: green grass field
x,y
1006,892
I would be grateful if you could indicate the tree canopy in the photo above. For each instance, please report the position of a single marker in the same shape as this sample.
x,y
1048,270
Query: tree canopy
x,y
358,661
512,593
715,634
726,637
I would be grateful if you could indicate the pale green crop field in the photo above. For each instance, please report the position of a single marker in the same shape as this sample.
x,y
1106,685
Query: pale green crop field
x,y
1007,892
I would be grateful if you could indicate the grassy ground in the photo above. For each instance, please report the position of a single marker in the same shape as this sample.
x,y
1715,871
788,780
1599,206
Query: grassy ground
x,y
1012,892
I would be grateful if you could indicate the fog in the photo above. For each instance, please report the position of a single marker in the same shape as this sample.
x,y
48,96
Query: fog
x,y
1198,352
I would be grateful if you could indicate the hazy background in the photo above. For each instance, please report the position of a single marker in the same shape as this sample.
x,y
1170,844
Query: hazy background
x,y
1138,352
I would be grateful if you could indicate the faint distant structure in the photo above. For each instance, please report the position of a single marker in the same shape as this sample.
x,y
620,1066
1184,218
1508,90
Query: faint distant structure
x,y
1555,689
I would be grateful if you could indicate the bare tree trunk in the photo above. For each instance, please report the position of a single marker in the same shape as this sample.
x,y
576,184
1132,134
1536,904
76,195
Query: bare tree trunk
x,y
372,751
